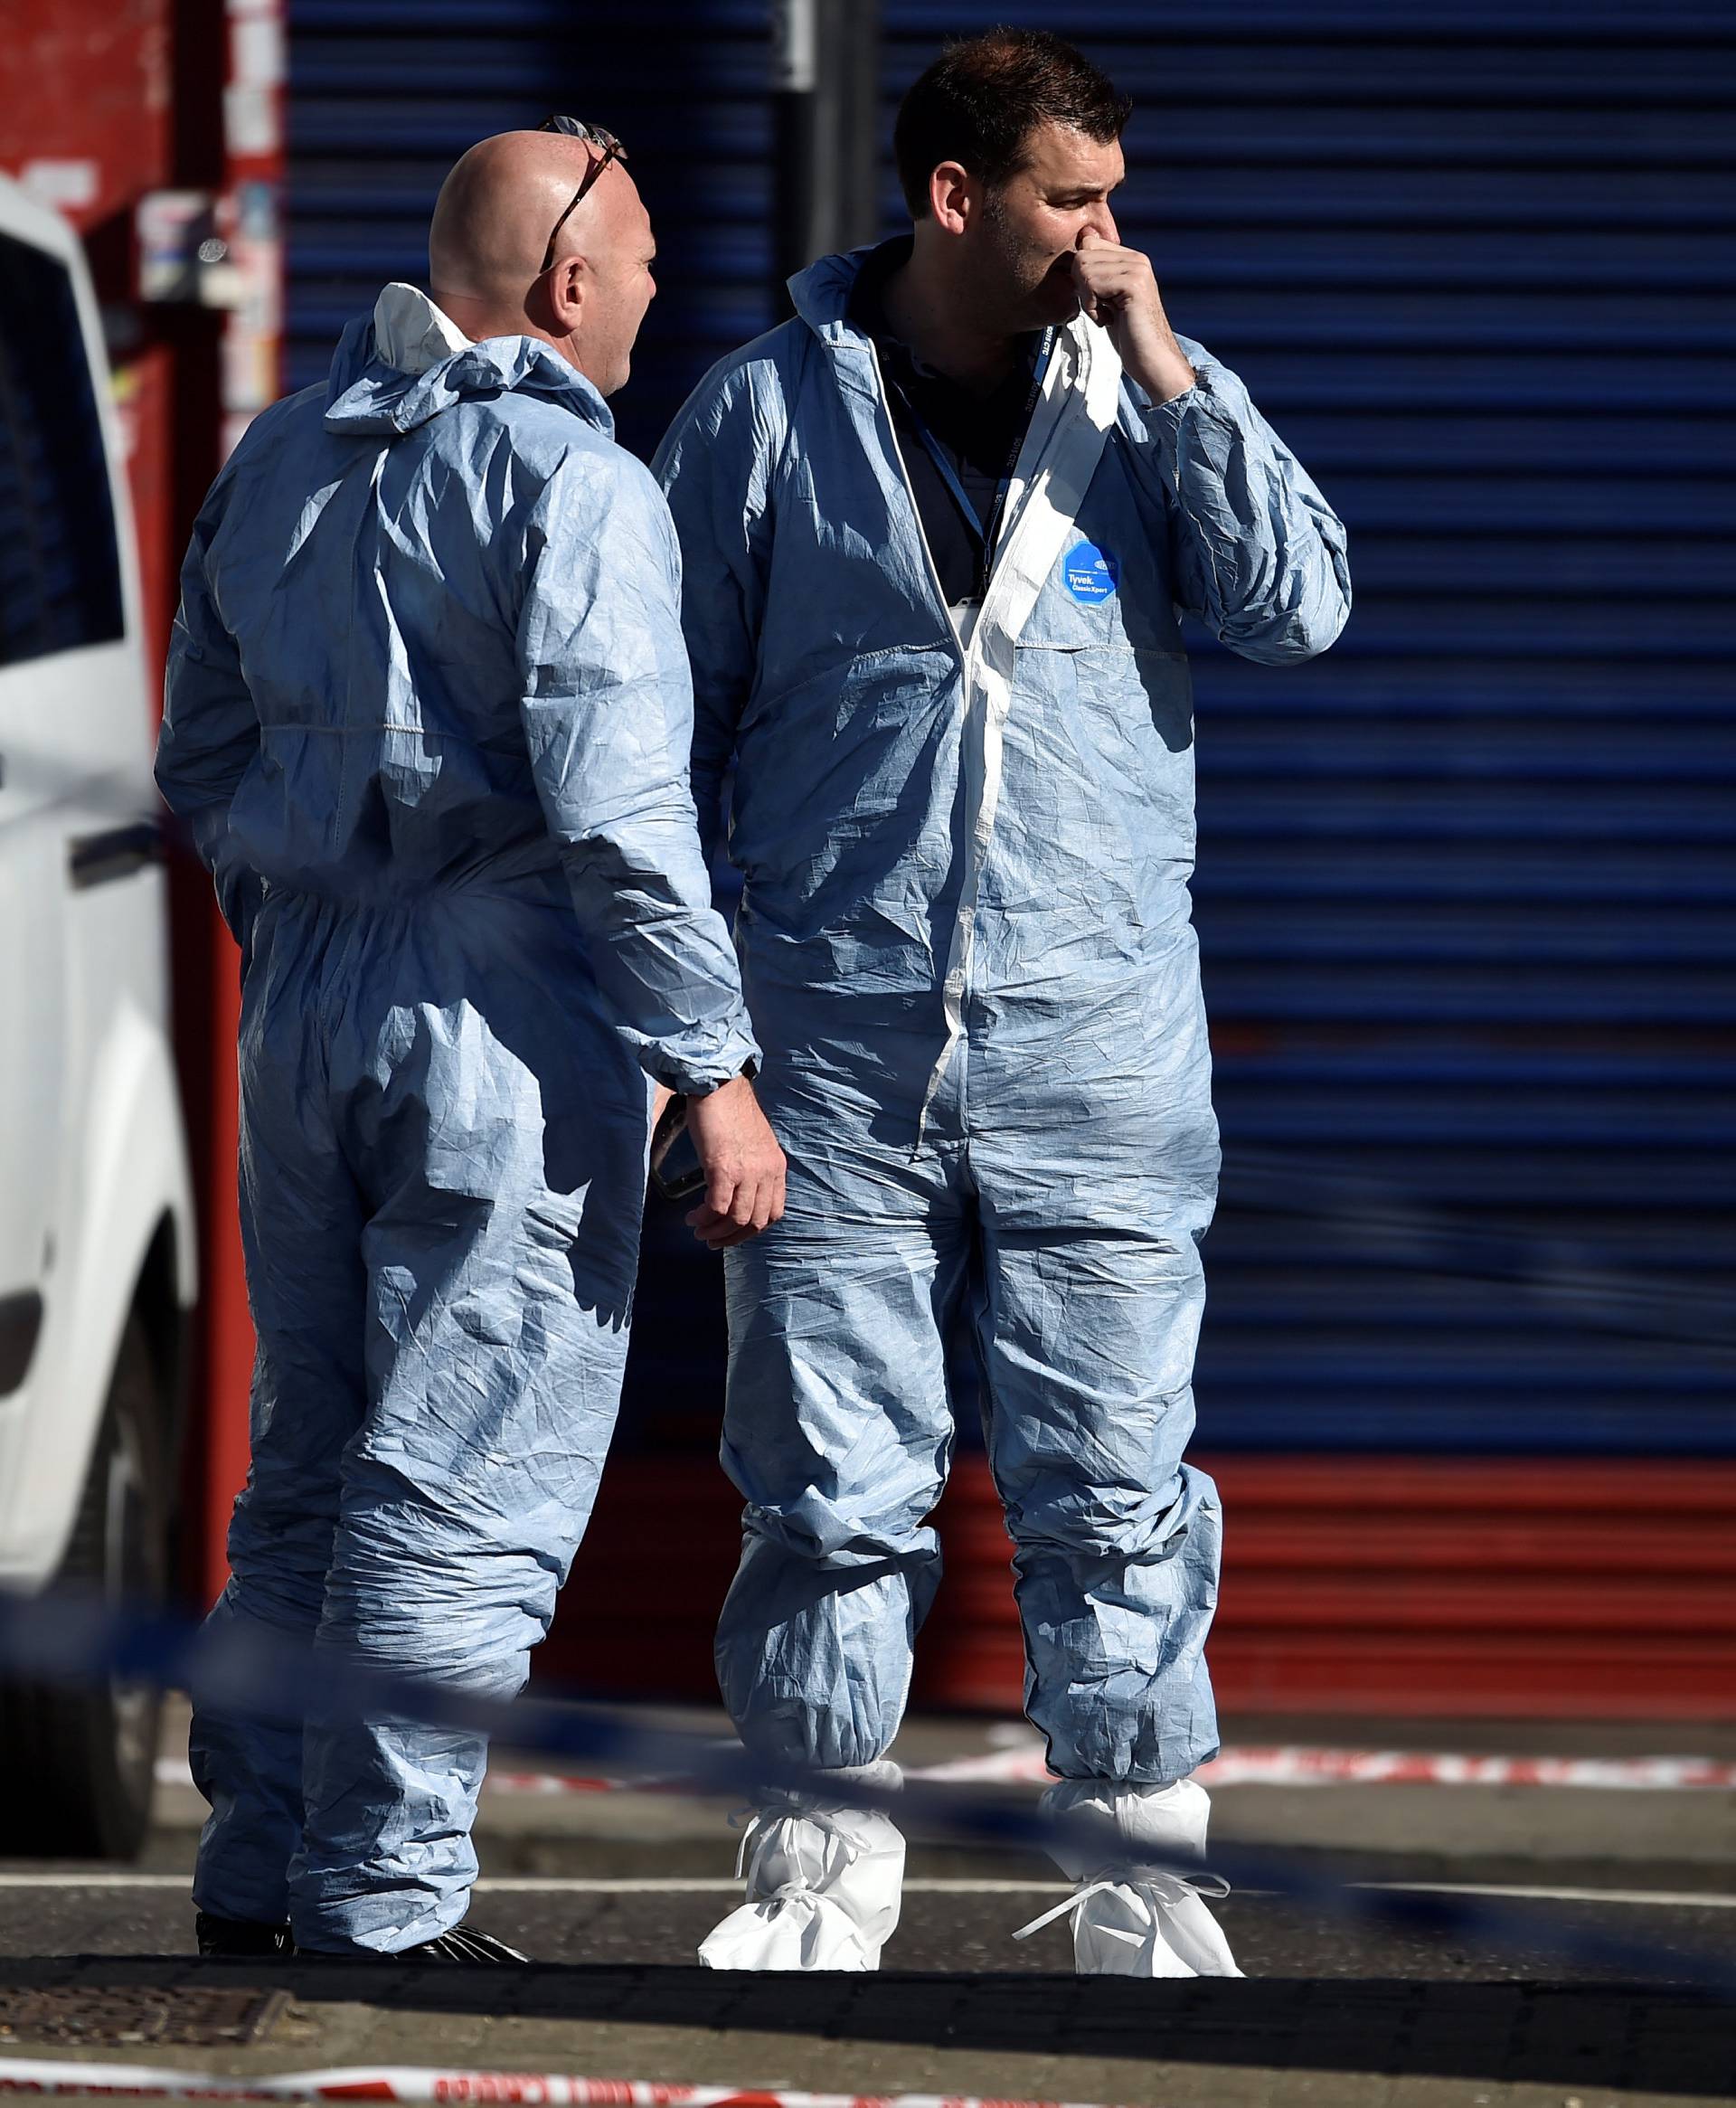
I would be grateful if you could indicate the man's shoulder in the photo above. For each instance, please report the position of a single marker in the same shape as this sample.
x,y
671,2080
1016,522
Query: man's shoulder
x,y
778,350
539,428
751,383
543,439
282,421
270,462
288,410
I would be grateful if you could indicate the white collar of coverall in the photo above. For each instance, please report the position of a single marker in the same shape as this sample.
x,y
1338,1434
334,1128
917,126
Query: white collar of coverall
x,y
411,333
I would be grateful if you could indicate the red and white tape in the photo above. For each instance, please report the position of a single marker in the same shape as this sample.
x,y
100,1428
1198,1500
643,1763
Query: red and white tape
x,y
393,2083
1283,1764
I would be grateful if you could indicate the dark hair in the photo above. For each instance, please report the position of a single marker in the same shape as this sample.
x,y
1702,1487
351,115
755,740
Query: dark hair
x,y
984,97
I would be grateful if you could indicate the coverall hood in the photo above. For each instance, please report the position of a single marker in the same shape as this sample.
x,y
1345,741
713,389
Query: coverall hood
x,y
368,393
821,293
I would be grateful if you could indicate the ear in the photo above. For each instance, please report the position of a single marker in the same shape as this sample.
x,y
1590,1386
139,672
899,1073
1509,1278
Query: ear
x,y
565,288
954,197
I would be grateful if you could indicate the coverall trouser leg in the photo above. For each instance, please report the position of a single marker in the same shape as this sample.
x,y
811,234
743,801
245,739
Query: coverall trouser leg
x,y
1087,1336
480,1199
838,1431
309,1398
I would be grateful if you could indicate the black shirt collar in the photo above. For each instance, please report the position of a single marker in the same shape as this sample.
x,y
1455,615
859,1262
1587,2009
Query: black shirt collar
x,y
867,310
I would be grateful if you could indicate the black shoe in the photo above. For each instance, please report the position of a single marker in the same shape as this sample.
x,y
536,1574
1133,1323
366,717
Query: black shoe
x,y
244,1937
460,1944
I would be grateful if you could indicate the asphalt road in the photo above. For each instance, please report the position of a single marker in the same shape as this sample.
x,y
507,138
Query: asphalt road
x,y
1414,1926
1581,1998
1466,1995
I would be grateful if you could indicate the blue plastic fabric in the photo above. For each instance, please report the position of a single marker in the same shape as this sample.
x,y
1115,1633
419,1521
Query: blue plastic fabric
x,y
428,716
966,945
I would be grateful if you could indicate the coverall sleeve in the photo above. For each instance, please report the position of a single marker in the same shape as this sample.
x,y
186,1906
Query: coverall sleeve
x,y
715,468
211,732
607,710
1256,552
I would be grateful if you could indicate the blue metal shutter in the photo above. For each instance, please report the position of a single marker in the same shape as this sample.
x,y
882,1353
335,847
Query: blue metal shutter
x,y
1466,885
386,94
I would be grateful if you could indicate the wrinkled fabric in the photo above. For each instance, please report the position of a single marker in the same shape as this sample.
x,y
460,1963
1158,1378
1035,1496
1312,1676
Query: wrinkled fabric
x,y
426,717
1137,1910
427,640
824,1881
965,939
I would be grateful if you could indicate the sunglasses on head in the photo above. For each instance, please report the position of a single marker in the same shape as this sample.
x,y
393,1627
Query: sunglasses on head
x,y
592,136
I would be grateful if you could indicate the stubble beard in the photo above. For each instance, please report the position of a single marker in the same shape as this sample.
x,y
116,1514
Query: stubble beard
x,y
1018,286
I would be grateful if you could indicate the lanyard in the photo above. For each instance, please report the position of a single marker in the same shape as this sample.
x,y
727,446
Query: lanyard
x,y
949,475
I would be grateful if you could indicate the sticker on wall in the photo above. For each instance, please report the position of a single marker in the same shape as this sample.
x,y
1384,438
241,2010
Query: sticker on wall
x,y
1089,573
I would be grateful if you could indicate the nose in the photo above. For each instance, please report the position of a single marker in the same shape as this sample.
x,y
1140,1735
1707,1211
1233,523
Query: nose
x,y
1103,224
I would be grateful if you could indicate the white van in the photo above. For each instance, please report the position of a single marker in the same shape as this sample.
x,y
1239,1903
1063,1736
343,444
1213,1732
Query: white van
x,y
96,1251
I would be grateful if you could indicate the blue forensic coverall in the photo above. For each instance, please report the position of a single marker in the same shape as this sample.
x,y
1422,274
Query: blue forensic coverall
x,y
427,719
965,939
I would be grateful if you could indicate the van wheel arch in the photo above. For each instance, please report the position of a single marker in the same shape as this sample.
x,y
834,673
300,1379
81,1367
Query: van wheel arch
x,y
77,1762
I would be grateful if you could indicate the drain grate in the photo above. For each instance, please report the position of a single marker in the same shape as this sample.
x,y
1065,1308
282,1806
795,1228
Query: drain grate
x,y
115,2013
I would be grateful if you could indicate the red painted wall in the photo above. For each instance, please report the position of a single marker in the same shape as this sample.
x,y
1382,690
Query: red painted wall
x,y
87,97
1427,1586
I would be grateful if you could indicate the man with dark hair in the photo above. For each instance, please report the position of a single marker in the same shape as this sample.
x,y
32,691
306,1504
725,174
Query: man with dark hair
x,y
979,103
937,531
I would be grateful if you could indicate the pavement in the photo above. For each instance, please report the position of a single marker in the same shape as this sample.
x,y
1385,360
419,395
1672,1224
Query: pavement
x,y
1513,1945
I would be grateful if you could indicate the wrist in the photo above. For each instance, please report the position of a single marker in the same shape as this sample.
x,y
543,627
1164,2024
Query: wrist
x,y
1164,373
741,1081
1156,362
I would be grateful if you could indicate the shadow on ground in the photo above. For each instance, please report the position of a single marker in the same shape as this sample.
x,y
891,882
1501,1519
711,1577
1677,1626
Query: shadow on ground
x,y
1597,2036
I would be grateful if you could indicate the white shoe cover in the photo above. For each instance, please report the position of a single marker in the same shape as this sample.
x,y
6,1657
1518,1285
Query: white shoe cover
x,y
1132,1918
823,1885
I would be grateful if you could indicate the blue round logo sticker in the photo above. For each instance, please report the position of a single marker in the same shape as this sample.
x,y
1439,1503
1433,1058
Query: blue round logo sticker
x,y
1089,573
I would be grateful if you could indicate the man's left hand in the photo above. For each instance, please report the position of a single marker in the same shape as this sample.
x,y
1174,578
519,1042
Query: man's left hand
x,y
1117,288
744,1166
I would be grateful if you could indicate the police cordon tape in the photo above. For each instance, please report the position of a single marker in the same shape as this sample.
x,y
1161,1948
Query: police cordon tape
x,y
405,2083
1290,1764
74,1640
1283,1765
1245,1764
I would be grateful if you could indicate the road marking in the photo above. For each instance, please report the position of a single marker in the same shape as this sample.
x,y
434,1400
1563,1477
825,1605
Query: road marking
x,y
727,1885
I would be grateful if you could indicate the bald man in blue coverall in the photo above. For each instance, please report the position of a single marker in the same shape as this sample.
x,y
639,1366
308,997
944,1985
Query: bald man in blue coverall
x,y
428,717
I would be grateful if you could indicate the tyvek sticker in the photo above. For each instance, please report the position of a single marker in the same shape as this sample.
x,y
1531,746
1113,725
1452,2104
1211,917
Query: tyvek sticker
x,y
1090,571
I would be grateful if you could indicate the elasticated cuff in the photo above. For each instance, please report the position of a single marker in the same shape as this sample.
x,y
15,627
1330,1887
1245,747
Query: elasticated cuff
x,y
700,1062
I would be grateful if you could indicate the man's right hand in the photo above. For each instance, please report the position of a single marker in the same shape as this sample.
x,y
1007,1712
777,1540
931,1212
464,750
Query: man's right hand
x,y
744,1166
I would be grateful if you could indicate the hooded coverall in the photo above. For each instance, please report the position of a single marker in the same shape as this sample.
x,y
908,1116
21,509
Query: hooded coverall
x,y
966,945
428,720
